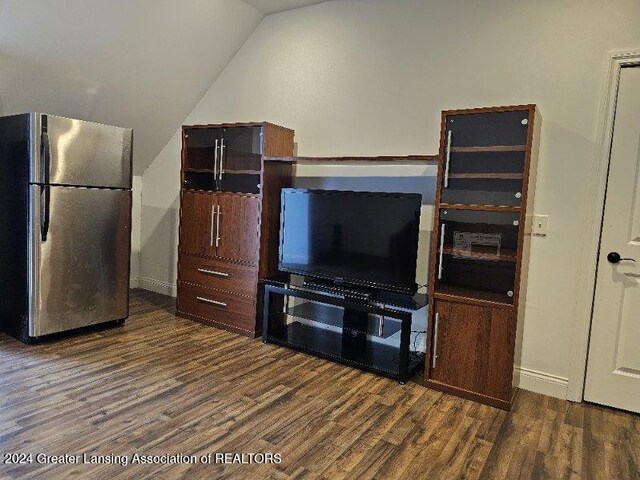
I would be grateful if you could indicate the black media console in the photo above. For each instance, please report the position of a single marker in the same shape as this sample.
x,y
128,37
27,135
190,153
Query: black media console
x,y
359,331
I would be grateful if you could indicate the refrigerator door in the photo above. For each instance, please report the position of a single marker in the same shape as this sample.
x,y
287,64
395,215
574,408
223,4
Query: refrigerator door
x,y
79,260
74,152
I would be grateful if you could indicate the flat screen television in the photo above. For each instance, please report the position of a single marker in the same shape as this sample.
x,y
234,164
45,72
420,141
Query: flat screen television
x,y
354,238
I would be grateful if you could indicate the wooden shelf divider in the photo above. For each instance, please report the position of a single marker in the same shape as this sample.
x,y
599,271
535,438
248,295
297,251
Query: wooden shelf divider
x,y
486,208
408,159
489,148
492,176
482,253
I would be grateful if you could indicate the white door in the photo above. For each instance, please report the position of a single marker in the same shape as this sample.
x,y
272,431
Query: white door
x,y
613,369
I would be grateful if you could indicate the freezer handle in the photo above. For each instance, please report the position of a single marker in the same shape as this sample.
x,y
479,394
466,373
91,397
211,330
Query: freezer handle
x,y
45,156
45,190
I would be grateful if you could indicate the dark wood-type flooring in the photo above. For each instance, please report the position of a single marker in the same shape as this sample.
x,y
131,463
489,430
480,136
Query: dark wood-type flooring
x,y
166,385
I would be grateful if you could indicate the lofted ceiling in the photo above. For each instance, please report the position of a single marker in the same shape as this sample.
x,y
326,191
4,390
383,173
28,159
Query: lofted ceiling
x,y
135,63
273,6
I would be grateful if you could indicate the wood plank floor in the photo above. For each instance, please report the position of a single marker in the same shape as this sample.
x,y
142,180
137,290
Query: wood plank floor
x,y
165,385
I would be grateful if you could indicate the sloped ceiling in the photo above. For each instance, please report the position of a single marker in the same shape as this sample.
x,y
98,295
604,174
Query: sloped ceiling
x,y
135,63
274,6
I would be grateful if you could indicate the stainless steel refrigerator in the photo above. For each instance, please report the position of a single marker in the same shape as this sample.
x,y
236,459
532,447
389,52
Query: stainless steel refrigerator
x,y
65,224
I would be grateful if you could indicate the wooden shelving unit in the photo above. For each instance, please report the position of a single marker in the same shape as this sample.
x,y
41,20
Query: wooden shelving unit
x,y
480,249
229,220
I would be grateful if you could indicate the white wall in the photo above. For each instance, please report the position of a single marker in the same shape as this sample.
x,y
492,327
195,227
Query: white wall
x,y
136,217
357,77
140,64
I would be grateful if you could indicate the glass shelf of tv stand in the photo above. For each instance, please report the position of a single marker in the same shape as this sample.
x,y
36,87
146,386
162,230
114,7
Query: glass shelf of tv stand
x,y
341,329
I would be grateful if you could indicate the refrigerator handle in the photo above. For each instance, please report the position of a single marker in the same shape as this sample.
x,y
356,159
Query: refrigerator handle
x,y
45,197
45,189
45,153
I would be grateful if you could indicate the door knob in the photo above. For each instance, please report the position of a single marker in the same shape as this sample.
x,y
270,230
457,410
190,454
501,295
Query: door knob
x,y
614,257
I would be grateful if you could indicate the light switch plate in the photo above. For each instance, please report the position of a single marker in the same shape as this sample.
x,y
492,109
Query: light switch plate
x,y
540,223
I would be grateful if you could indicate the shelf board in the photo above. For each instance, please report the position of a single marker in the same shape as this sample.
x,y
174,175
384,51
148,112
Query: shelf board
x,y
496,176
489,148
242,172
375,357
483,253
409,159
333,315
487,208
212,191
209,170
476,297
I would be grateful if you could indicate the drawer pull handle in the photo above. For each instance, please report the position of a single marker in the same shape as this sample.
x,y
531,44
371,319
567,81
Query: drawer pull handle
x,y
213,272
214,302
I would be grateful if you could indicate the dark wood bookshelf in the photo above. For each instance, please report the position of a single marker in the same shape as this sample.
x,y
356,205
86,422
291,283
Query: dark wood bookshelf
x,y
477,289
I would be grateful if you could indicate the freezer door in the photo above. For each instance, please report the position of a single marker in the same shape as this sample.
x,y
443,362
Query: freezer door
x,y
74,152
80,247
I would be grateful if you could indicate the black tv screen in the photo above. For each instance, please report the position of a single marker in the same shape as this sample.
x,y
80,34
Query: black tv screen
x,y
359,238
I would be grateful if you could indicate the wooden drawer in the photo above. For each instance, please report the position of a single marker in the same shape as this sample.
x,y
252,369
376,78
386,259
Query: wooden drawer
x,y
218,274
222,309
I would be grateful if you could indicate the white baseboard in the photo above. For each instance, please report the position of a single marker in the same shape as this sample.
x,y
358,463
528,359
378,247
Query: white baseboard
x,y
540,382
157,286
134,282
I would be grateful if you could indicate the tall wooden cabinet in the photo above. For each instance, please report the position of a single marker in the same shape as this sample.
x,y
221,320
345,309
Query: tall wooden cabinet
x,y
230,201
480,250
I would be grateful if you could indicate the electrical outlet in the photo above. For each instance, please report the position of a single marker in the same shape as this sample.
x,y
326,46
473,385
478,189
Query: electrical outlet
x,y
540,223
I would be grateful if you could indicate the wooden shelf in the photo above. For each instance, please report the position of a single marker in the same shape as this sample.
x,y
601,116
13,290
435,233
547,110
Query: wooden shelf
x,y
477,297
242,172
483,253
486,208
209,170
493,176
212,191
409,159
489,148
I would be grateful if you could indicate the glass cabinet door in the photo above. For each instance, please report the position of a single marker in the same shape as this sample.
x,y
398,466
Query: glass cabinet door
x,y
225,159
201,151
477,254
240,160
484,158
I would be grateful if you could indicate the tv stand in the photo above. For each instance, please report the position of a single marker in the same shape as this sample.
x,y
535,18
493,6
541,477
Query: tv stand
x,y
360,332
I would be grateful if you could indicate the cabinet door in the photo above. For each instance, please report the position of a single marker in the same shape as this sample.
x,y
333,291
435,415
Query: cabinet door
x,y
240,160
201,157
484,158
197,223
238,222
473,348
477,254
